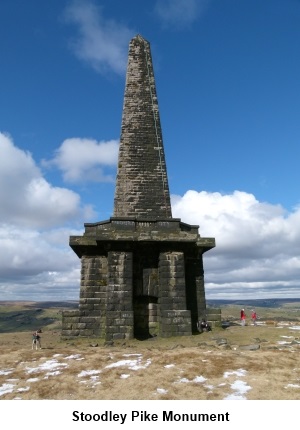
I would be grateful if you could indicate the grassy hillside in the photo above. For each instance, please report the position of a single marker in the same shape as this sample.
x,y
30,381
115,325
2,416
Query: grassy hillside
x,y
235,362
277,310
29,316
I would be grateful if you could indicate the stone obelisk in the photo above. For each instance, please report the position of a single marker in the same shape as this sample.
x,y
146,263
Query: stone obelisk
x,y
142,189
141,270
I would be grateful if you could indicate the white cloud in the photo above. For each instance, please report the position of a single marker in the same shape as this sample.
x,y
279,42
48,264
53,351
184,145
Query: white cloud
x,y
257,250
38,265
179,13
26,198
55,286
83,160
103,43
36,261
28,252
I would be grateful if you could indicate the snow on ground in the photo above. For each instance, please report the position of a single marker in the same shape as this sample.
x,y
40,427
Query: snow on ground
x,y
235,380
133,362
239,388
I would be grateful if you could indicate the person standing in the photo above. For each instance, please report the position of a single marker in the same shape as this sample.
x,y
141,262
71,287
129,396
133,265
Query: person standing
x,y
243,317
253,316
36,339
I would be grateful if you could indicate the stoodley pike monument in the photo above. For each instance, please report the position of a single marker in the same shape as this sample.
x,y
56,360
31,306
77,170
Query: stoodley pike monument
x,y
141,270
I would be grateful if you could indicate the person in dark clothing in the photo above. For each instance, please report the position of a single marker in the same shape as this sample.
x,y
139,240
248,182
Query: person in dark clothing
x,y
203,326
36,339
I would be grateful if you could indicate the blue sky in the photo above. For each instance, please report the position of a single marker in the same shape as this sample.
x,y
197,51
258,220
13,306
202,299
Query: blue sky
x,y
227,77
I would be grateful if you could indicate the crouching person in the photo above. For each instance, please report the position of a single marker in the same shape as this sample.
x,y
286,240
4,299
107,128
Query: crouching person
x,y
203,326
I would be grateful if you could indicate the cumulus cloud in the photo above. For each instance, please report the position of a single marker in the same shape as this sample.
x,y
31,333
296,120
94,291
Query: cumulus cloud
x,y
28,252
179,13
54,286
26,198
257,250
38,265
83,160
101,42
36,262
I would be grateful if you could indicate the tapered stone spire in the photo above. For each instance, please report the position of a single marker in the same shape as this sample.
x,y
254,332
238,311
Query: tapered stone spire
x,y
142,189
141,270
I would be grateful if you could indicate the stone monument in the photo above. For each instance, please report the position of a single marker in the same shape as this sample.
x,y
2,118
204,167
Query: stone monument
x,y
141,270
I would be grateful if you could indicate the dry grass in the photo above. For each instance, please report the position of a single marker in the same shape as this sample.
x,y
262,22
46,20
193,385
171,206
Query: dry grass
x,y
198,367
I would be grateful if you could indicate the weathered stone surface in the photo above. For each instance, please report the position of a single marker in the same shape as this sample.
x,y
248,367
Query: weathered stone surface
x,y
253,347
221,341
141,164
141,270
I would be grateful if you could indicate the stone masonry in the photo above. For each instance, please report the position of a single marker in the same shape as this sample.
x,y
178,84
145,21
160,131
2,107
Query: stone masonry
x,y
141,270
142,188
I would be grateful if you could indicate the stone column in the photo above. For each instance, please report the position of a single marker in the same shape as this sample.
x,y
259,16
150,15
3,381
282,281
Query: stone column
x,y
195,290
92,302
175,320
119,308
89,320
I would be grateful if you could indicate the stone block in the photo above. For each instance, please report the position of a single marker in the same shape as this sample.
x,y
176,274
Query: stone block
x,y
86,306
71,313
118,336
70,333
67,326
78,326
89,319
94,313
93,301
70,320
86,332
213,311
175,313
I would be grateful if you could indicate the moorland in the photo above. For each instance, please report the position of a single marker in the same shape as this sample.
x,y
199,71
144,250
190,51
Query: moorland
x,y
255,362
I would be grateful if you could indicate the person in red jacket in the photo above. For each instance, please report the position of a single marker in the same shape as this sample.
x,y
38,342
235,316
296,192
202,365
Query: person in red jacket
x,y
253,316
243,317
